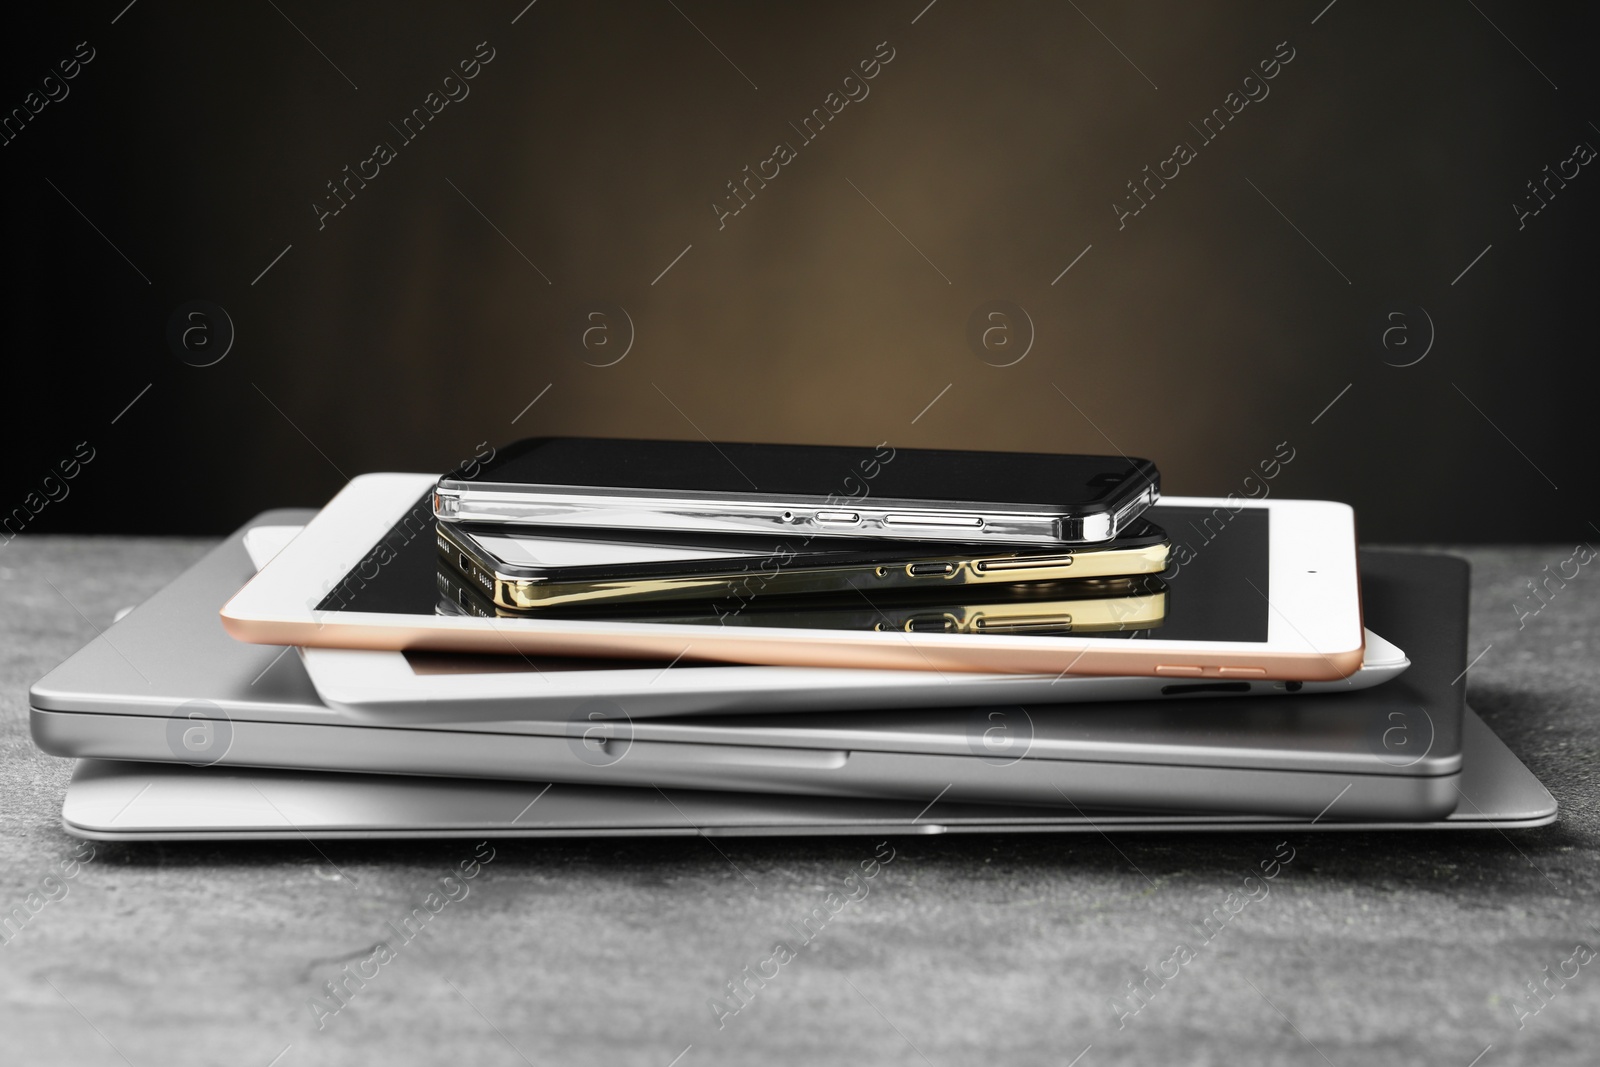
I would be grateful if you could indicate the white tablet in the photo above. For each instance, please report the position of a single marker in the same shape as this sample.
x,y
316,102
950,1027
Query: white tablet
x,y
443,686
1256,590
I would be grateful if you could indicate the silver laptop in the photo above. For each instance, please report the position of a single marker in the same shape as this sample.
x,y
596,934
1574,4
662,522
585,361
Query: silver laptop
x,y
120,801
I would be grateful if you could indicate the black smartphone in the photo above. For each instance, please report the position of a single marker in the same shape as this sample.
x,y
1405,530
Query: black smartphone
x,y
706,487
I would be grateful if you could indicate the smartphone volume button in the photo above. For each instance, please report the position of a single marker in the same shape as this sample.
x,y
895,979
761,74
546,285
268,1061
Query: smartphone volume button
x,y
928,518
837,518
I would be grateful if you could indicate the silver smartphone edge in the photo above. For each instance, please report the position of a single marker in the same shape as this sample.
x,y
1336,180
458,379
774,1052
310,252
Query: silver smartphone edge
x,y
900,520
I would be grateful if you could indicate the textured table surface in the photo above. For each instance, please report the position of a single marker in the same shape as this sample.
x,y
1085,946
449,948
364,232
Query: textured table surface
x,y
1396,948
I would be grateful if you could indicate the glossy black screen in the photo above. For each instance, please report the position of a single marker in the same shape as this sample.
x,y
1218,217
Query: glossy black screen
x,y
1217,581
785,471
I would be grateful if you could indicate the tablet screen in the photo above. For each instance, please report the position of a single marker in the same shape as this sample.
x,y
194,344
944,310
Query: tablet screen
x,y
1216,583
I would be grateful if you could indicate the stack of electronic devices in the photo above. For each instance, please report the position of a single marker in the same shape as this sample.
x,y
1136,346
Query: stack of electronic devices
x,y
584,636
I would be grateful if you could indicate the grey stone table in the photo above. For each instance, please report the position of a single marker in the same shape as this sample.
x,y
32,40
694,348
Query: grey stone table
x,y
1398,948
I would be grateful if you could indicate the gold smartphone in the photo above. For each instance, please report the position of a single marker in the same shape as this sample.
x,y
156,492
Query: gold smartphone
x,y
526,571
1095,605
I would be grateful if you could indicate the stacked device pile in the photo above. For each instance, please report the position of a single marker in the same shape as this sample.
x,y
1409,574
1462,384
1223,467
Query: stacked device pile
x,y
581,637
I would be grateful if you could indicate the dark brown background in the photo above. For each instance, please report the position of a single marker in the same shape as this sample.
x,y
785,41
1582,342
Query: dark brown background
x,y
1202,335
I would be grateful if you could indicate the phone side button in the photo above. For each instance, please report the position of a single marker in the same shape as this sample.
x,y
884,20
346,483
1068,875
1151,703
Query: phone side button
x,y
1180,672
1242,672
928,518
838,518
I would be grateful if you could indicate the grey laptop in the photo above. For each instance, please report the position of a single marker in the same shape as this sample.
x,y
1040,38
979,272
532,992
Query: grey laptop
x,y
117,801
1389,753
